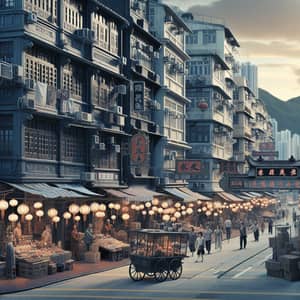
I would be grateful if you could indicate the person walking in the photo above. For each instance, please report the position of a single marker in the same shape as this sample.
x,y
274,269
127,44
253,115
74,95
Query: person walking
x,y
192,241
207,237
294,216
199,244
228,225
270,226
243,236
262,226
255,232
218,238
75,240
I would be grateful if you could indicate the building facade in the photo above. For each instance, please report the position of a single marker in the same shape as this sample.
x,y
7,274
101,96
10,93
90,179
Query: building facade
x,y
250,72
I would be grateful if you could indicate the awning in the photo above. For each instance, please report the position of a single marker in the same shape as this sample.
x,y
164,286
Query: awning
x,y
229,197
140,193
46,191
244,197
254,194
270,194
248,195
179,194
117,193
195,195
77,188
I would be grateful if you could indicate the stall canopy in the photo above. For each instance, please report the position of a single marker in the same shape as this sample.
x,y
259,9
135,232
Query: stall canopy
x,y
176,192
78,188
46,191
248,195
140,193
244,197
229,197
270,194
254,194
195,195
117,193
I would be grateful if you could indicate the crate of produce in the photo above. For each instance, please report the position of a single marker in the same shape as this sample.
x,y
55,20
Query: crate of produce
x,y
33,268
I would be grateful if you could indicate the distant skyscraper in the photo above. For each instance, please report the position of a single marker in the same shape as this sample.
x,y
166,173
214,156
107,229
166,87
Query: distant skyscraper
x,y
284,143
250,71
296,146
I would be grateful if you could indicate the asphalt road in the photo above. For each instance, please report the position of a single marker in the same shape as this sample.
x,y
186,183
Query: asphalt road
x,y
231,274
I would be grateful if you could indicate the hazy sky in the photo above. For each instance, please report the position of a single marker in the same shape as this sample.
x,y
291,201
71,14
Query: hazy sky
x,y
269,34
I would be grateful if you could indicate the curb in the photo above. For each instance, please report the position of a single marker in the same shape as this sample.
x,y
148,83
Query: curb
x,y
240,263
60,280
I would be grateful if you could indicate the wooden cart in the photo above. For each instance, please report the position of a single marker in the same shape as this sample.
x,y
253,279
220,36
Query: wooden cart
x,y
157,254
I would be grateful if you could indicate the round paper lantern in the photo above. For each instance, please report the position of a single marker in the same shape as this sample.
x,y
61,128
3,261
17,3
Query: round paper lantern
x,y
141,206
22,210
199,202
203,105
216,214
208,213
39,213
164,204
52,212
177,204
148,204
133,206
151,212
160,210
204,208
3,207
173,219
191,204
100,214
67,216
13,218
199,210
102,207
38,205
117,206
113,217
84,210
166,218
144,212
137,208
111,205
189,211
13,202
29,217
55,220
183,207
155,201
172,210
94,207
154,208
74,209
177,215
125,217
183,213
77,218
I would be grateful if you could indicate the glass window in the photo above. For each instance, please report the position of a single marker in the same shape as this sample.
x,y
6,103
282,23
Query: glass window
x,y
209,36
7,51
6,135
197,133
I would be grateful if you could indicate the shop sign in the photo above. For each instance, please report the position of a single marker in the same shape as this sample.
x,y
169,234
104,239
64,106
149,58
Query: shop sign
x,y
281,172
139,149
265,153
139,95
188,167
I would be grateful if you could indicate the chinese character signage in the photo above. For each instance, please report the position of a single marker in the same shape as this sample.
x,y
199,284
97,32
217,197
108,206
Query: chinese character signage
x,y
138,95
265,153
188,166
273,172
139,149
267,146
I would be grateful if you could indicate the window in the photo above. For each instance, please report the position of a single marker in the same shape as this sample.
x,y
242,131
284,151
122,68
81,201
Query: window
x,y
73,15
7,51
236,119
44,8
199,67
197,133
41,139
209,36
74,145
192,38
102,92
73,80
7,4
108,159
6,135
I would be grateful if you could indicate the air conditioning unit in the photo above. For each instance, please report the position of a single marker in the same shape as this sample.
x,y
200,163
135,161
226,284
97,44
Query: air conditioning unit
x,y
84,116
150,48
88,176
96,139
6,70
124,60
121,89
102,146
32,17
121,120
29,84
118,109
117,148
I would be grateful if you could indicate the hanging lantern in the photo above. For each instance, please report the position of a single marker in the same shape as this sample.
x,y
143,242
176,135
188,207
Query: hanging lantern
x,y
94,207
155,201
113,217
39,213
67,216
125,209
52,212
208,213
3,207
22,210
199,210
133,206
191,204
38,205
173,219
177,204
13,218
55,220
29,217
204,208
166,218
13,202
183,213
144,212
151,212
172,210
125,217
102,207
154,208
164,204
74,209
111,205
117,206
202,105
141,206
199,202
216,214
77,218
137,208
84,210
100,214
160,210
148,204
189,211
183,207
177,215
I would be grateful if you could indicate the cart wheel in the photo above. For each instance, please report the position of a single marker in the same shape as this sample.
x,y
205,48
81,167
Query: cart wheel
x,y
175,269
151,275
161,271
134,274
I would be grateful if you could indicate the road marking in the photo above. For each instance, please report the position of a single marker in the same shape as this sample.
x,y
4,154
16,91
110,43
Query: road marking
x,y
241,273
263,260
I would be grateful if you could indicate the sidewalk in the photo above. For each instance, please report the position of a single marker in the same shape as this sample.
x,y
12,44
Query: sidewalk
x,y
80,269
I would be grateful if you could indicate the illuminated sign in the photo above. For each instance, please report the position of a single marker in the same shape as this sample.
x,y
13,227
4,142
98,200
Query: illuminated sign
x,y
188,166
139,149
281,172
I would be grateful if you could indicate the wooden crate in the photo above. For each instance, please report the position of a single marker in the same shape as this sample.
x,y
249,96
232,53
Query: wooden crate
x,y
33,269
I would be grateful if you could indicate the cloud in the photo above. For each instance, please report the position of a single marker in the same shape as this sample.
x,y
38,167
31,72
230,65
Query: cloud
x,y
297,73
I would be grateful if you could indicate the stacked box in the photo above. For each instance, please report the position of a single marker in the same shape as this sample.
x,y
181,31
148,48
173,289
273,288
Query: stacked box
x,y
290,266
33,269
91,257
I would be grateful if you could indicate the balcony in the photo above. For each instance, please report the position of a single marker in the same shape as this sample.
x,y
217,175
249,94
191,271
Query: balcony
x,y
239,156
173,38
240,131
241,106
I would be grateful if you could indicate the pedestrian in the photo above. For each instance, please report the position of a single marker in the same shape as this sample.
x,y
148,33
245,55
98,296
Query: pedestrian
x,y
200,246
270,226
243,236
228,225
294,215
262,226
207,237
218,238
192,241
75,240
255,232
88,237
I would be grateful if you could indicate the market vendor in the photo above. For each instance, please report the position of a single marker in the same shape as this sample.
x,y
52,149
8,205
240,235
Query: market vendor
x,y
17,233
75,239
108,228
89,236
47,236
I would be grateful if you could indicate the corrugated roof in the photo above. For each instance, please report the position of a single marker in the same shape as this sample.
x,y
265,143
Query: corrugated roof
x,y
140,193
229,197
77,188
195,195
179,194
